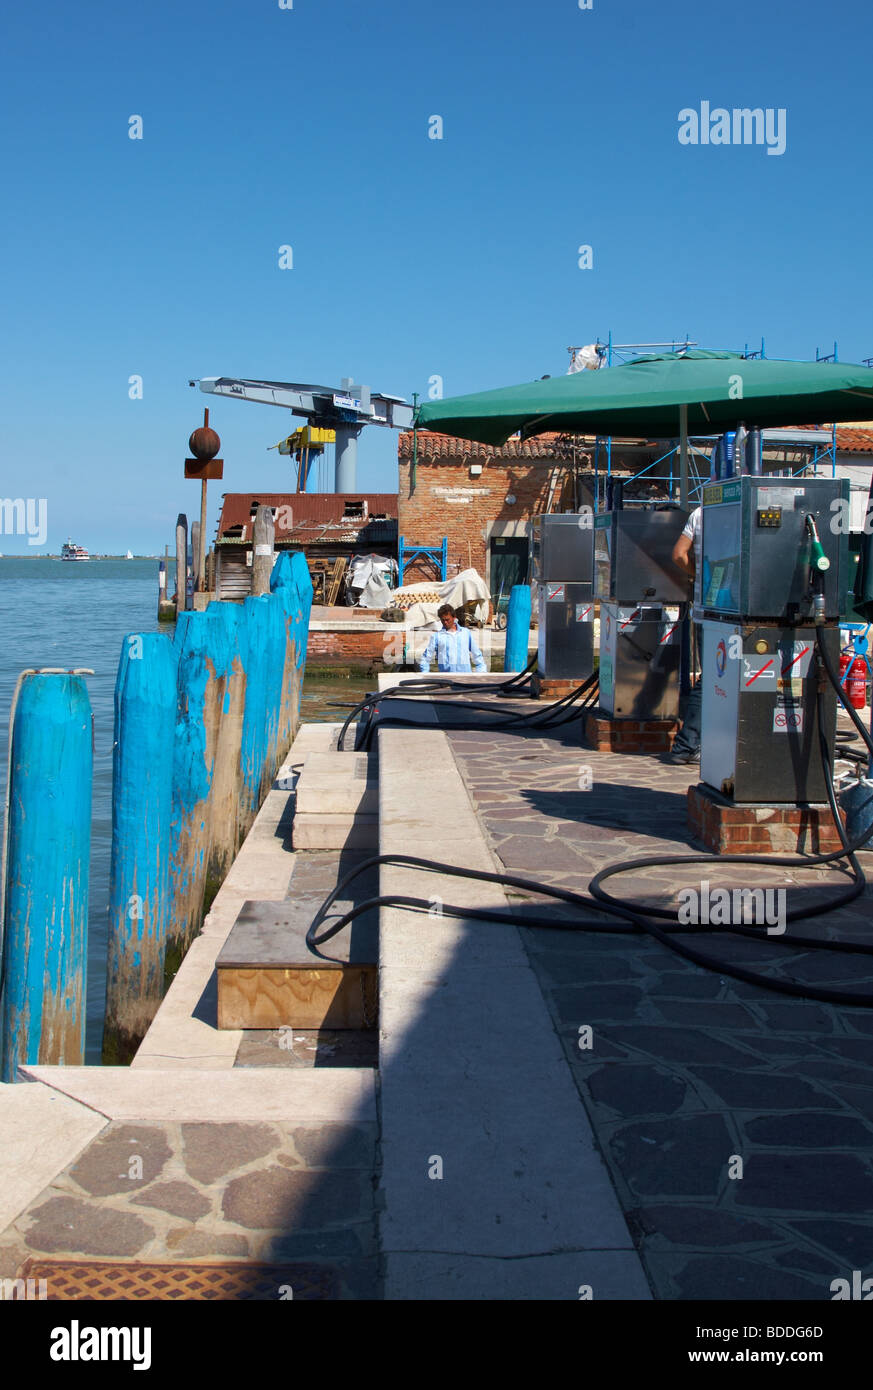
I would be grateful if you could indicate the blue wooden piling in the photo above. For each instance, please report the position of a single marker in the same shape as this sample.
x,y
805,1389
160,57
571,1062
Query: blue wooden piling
x,y
46,873
194,749
140,906
253,753
291,578
228,659
517,628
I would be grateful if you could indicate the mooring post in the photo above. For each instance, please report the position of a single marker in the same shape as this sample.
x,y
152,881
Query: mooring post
x,y
194,749
196,572
228,657
140,906
253,753
277,651
181,563
46,862
263,534
517,628
291,581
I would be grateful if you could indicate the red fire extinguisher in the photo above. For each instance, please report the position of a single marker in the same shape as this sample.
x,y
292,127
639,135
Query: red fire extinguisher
x,y
856,683
847,656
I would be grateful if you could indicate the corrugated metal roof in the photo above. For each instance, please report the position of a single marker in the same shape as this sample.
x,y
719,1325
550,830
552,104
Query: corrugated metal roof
x,y
302,514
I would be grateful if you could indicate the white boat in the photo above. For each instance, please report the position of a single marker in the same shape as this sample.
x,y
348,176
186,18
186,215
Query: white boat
x,y
129,555
73,552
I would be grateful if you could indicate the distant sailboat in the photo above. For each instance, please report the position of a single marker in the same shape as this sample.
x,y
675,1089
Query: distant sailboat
x,y
129,555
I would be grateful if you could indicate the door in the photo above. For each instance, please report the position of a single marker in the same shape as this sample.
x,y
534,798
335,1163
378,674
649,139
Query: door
x,y
509,565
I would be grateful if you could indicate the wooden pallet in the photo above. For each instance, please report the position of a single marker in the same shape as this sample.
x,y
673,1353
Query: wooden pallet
x,y
336,579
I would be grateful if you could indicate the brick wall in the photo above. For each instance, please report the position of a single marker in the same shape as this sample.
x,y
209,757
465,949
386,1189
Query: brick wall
x,y
340,647
448,501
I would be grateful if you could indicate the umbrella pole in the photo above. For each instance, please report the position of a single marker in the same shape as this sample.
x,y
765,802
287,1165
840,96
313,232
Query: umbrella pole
x,y
683,455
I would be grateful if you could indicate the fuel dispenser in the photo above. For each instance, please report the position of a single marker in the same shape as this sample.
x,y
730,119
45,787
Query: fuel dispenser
x,y
641,592
562,554
773,574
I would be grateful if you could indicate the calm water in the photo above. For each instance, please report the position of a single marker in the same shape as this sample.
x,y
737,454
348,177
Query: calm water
x,y
54,613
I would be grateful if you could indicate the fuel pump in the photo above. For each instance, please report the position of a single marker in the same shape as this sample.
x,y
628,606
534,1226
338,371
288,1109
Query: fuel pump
x,y
641,592
562,551
773,580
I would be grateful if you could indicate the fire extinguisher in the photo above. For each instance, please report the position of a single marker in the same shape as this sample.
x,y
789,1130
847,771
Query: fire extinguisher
x,y
847,656
856,683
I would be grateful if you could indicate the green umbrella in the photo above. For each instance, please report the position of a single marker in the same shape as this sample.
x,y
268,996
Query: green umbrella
x,y
643,398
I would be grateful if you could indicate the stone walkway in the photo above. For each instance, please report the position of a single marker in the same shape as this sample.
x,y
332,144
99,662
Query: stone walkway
x,y
153,1187
693,1078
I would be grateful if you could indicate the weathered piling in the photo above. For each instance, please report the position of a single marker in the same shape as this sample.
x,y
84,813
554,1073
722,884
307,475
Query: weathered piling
x,y
228,658
517,628
196,739
48,840
291,582
263,535
166,606
181,563
258,621
195,556
140,905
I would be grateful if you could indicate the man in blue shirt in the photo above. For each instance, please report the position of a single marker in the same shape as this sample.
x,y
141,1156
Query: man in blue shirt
x,y
454,647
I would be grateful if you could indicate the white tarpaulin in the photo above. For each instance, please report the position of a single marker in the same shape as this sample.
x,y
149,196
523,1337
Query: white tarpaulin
x,y
421,601
368,581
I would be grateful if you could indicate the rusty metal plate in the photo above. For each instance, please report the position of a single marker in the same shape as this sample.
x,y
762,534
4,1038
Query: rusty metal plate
x,y
81,1280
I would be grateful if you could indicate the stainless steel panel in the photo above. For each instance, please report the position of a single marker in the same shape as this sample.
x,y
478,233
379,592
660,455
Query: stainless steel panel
x,y
645,666
565,643
633,556
562,547
755,571
771,706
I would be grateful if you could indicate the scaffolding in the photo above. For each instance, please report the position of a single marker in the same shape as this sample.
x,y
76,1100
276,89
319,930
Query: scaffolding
x,y
807,453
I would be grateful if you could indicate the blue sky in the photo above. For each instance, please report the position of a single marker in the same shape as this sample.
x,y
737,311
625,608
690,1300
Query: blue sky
x,y
413,257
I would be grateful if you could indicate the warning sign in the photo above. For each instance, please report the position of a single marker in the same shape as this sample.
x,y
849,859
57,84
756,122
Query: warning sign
x,y
759,672
555,593
795,659
584,612
787,718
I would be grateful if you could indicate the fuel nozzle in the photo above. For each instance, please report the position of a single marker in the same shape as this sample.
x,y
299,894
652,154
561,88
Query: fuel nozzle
x,y
818,564
817,558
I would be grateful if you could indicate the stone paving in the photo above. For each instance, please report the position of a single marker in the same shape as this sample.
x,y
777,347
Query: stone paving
x,y
273,1193
736,1123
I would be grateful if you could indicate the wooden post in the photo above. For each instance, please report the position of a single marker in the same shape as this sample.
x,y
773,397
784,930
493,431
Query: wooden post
x,y
228,657
46,873
196,737
181,563
195,555
253,754
201,539
142,792
287,577
262,550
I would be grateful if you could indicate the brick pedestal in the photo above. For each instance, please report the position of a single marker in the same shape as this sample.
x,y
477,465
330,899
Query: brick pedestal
x,y
726,828
629,735
542,688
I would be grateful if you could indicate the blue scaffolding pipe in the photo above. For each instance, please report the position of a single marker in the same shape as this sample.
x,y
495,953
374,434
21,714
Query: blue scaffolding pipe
x,y
437,554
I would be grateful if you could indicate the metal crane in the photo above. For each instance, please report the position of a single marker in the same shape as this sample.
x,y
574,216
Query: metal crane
x,y
346,409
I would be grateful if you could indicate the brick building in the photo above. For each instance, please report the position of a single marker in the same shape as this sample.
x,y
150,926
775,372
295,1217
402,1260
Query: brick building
x,y
482,498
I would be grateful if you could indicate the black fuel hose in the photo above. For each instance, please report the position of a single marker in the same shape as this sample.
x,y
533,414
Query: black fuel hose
x,y
635,916
428,684
548,716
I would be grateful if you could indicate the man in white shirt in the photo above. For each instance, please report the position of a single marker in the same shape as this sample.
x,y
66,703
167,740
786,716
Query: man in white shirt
x,y
454,647
688,555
